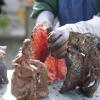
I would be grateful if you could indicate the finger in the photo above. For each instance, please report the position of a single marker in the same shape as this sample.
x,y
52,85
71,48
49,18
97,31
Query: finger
x,y
60,53
56,46
53,37
57,42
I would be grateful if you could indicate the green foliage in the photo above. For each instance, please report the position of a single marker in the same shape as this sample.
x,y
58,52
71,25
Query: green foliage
x,y
4,21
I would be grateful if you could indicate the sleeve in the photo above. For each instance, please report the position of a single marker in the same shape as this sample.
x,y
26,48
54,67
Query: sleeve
x,y
44,5
98,14
98,6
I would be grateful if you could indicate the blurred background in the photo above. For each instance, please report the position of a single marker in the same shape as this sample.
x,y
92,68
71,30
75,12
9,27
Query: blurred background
x,y
15,26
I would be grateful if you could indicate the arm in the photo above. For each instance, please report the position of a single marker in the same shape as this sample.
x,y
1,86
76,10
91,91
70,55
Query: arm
x,y
44,5
45,17
44,11
98,7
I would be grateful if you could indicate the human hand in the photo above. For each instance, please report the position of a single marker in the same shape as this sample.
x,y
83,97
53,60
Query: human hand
x,y
58,41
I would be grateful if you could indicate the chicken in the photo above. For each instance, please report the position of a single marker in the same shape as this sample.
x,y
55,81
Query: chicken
x,y
84,64
30,78
56,67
